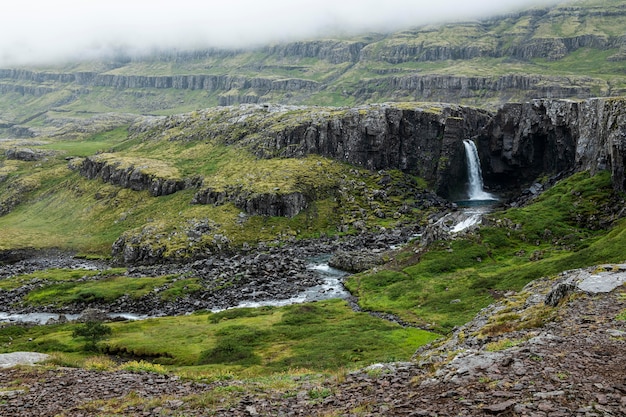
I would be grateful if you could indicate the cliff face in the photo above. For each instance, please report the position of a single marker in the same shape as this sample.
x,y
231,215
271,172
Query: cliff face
x,y
602,138
421,139
546,137
133,177
518,144
527,140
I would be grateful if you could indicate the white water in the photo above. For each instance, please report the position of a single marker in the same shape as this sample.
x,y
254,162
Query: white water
x,y
331,287
475,190
42,318
470,217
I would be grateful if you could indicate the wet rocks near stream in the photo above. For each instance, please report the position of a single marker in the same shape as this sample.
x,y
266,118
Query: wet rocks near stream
x,y
259,274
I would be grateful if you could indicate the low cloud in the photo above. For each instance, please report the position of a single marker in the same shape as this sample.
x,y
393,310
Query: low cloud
x,y
44,31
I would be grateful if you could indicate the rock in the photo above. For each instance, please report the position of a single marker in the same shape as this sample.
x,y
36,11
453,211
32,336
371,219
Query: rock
x,y
21,358
355,261
131,176
26,154
559,292
92,314
263,204
551,394
616,333
500,407
528,140
601,282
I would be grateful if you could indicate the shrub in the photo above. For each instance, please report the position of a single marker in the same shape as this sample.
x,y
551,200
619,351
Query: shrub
x,y
143,366
92,332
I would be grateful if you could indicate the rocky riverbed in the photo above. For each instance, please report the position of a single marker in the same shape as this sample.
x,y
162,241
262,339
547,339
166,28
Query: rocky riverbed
x,y
562,360
256,275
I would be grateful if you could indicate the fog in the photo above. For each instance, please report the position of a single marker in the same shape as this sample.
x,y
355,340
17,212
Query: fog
x,y
51,31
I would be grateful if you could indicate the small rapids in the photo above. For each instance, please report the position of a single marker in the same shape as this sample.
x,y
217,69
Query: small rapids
x,y
331,287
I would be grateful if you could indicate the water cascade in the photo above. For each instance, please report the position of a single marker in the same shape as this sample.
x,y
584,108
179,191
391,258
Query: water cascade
x,y
479,201
475,190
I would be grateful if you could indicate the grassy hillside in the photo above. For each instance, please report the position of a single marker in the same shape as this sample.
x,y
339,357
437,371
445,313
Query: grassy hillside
x,y
46,203
438,287
568,227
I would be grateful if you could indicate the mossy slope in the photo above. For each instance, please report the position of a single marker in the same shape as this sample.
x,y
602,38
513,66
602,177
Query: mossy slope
x,y
48,204
572,225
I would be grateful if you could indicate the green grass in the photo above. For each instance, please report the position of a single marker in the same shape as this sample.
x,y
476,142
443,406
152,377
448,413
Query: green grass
x,y
319,336
53,276
452,281
102,291
100,142
62,287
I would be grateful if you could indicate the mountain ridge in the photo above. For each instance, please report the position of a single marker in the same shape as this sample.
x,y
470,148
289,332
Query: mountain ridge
x,y
539,53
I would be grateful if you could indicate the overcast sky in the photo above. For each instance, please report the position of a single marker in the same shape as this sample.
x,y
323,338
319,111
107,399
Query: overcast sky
x,y
39,31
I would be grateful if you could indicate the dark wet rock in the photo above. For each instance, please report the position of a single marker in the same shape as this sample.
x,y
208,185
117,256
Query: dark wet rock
x,y
558,293
355,261
264,204
500,408
26,154
92,314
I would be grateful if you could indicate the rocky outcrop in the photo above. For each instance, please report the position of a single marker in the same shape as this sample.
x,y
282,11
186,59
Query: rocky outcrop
x,y
518,144
356,261
133,177
178,82
422,141
26,154
263,204
333,51
451,88
527,140
601,142
544,137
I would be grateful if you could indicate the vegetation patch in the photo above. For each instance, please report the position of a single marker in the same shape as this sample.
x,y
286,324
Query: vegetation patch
x,y
569,226
108,288
54,275
265,341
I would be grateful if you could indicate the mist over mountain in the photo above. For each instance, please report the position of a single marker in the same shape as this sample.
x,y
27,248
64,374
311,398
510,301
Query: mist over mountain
x,y
40,32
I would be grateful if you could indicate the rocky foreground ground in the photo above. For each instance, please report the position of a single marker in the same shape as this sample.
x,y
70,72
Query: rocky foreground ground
x,y
519,357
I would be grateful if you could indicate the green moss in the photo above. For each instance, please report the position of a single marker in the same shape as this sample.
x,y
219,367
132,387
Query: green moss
x,y
452,281
259,341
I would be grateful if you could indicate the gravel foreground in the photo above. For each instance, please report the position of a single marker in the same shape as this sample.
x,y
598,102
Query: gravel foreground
x,y
573,365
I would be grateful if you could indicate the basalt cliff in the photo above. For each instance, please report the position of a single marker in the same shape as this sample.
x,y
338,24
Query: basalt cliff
x,y
518,144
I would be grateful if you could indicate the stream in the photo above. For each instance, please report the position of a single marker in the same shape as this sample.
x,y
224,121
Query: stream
x,y
329,286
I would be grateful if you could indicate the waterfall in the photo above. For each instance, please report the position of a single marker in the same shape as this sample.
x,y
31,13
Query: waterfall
x,y
474,173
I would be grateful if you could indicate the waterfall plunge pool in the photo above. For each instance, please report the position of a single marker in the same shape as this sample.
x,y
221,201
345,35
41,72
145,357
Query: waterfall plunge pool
x,y
479,202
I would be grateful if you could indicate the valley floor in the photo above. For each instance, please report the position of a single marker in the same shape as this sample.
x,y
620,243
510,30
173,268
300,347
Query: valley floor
x,y
571,364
